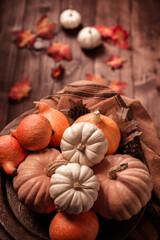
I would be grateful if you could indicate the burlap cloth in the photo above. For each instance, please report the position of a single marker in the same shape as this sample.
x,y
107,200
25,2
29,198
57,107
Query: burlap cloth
x,y
103,98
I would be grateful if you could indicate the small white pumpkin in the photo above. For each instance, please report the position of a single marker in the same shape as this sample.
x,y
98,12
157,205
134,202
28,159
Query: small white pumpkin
x,y
74,188
89,38
84,143
70,19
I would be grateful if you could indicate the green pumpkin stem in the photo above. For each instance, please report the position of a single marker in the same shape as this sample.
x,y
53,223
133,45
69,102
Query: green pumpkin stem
x,y
112,174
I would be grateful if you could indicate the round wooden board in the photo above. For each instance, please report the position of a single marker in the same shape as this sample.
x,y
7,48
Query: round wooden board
x,y
21,223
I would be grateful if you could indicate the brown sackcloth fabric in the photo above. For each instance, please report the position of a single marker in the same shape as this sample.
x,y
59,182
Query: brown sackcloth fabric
x,y
103,98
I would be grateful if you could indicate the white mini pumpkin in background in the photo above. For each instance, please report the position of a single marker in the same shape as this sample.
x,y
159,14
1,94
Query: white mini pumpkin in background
x,y
70,19
84,143
89,38
74,188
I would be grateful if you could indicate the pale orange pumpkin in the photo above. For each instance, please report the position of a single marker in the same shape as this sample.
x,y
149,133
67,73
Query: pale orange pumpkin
x,y
32,182
107,125
64,226
125,186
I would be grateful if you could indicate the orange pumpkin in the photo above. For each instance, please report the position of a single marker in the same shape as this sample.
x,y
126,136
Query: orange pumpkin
x,y
32,182
11,154
107,125
125,186
64,226
58,121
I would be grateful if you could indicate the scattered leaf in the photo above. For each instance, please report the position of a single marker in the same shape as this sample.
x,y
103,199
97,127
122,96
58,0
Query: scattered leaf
x,y
20,89
118,86
59,51
57,72
120,37
104,31
115,62
45,28
95,78
24,38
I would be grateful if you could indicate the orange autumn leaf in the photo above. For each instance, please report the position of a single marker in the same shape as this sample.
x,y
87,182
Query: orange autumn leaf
x,y
45,28
95,78
57,72
24,38
120,37
104,31
118,86
115,62
59,51
20,89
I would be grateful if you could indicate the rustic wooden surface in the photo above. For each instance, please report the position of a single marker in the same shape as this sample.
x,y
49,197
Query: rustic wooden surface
x,y
141,70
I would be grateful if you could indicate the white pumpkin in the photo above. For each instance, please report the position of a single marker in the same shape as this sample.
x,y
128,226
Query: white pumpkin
x,y
89,38
74,188
84,143
70,19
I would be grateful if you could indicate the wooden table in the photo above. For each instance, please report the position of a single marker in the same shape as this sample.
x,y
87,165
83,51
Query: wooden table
x,y
141,70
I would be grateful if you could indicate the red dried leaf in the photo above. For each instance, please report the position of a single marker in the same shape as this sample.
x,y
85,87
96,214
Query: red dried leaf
x,y
59,51
104,31
115,62
118,86
45,28
24,38
120,37
95,78
57,72
20,89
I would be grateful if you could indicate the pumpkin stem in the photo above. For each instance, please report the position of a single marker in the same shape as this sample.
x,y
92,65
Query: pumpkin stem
x,y
96,116
81,147
78,186
70,14
112,174
51,167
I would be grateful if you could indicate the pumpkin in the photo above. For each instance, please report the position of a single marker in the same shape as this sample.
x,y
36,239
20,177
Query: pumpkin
x,y
58,121
74,188
70,19
107,125
125,187
83,226
34,132
84,143
32,182
89,38
11,154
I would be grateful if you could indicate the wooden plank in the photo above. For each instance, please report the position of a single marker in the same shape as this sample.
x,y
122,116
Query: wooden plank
x,y
32,64
145,30
82,62
113,13
9,19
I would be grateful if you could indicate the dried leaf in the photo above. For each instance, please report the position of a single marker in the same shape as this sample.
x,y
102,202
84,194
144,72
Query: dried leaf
x,y
120,37
95,78
24,38
118,86
115,62
45,28
58,71
127,128
20,89
104,31
59,51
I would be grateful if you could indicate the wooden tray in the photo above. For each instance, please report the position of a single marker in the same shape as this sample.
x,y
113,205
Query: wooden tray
x,y
18,222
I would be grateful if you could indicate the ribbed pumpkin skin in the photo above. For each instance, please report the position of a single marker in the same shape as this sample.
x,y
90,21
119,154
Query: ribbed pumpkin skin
x,y
123,197
109,128
33,184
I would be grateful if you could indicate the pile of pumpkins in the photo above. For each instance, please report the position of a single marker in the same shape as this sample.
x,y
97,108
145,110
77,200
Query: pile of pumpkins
x,y
74,170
